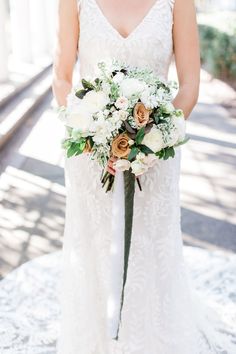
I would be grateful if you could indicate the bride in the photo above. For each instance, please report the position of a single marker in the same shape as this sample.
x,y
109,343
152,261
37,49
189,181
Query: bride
x,y
159,315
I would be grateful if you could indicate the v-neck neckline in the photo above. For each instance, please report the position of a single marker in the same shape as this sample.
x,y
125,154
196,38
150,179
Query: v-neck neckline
x,y
133,31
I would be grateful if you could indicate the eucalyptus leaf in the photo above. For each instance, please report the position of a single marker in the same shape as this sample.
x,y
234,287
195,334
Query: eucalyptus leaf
x,y
183,141
81,93
160,153
87,85
146,150
140,135
156,118
168,152
133,153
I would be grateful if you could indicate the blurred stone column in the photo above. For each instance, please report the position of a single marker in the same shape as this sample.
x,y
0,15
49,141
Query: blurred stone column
x,y
3,42
40,40
20,30
51,15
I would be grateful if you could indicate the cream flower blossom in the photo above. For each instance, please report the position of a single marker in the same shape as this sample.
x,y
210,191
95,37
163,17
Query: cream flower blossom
x,y
154,140
131,86
95,101
122,165
80,119
122,103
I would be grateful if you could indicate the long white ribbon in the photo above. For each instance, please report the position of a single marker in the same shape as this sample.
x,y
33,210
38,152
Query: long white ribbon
x,y
116,255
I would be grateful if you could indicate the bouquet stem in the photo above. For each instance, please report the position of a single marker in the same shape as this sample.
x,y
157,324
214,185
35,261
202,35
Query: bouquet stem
x,y
107,181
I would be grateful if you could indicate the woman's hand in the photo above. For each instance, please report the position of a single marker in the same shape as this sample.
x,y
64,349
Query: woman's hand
x,y
110,166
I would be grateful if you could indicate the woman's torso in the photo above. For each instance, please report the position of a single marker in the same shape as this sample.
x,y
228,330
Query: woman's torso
x,y
149,45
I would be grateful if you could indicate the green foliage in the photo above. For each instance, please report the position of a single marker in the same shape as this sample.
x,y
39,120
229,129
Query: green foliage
x,y
81,93
218,52
87,85
140,136
166,153
134,151
76,148
146,150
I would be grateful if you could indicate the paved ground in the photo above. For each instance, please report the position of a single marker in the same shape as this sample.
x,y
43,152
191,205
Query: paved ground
x,y
32,190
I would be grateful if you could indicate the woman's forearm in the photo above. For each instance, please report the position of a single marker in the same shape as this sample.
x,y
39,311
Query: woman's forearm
x,y
61,88
186,98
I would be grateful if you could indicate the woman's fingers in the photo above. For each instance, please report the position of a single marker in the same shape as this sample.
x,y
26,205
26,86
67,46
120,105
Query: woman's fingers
x,y
111,171
110,166
113,159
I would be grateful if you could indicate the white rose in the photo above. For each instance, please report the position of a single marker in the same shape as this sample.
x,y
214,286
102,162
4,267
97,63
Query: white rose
x,y
95,101
150,160
161,95
118,77
138,167
72,100
131,86
106,88
149,100
122,103
123,114
140,157
171,138
122,165
101,129
180,124
154,140
168,107
80,120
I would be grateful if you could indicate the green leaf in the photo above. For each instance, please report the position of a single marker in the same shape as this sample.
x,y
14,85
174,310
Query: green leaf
x,y
65,144
140,135
166,153
160,154
183,141
81,93
156,118
76,148
87,85
146,150
133,153
72,150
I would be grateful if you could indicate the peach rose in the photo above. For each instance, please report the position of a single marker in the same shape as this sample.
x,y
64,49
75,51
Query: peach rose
x,y
141,114
120,146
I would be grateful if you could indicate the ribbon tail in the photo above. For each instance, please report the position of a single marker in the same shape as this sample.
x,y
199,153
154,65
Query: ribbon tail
x,y
116,255
129,189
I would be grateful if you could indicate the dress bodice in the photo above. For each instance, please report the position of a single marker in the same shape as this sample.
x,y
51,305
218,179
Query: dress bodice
x,y
150,44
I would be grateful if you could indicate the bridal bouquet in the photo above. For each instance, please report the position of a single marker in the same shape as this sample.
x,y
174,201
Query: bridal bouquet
x,y
124,112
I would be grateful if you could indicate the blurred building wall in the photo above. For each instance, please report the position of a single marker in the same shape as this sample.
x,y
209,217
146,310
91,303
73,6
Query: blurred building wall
x,y
27,31
205,5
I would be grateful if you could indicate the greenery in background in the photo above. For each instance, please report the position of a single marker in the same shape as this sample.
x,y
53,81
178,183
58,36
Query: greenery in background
x,y
218,43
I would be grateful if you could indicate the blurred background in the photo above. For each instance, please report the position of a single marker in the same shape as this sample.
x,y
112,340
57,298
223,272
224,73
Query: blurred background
x,y
32,193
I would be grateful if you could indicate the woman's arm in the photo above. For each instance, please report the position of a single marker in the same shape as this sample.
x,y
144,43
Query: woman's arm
x,y
187,56
66,49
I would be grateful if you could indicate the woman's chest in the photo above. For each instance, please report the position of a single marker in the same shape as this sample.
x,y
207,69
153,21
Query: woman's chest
x,y
148,44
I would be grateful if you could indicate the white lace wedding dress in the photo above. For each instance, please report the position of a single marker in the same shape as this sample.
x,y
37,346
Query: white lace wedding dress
x,y
159,315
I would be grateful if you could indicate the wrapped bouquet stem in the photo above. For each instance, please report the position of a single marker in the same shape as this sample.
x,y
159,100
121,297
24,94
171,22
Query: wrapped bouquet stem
x,y
125,113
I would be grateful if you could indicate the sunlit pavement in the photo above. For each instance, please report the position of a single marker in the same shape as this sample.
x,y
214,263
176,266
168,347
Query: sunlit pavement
x,y
32,189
